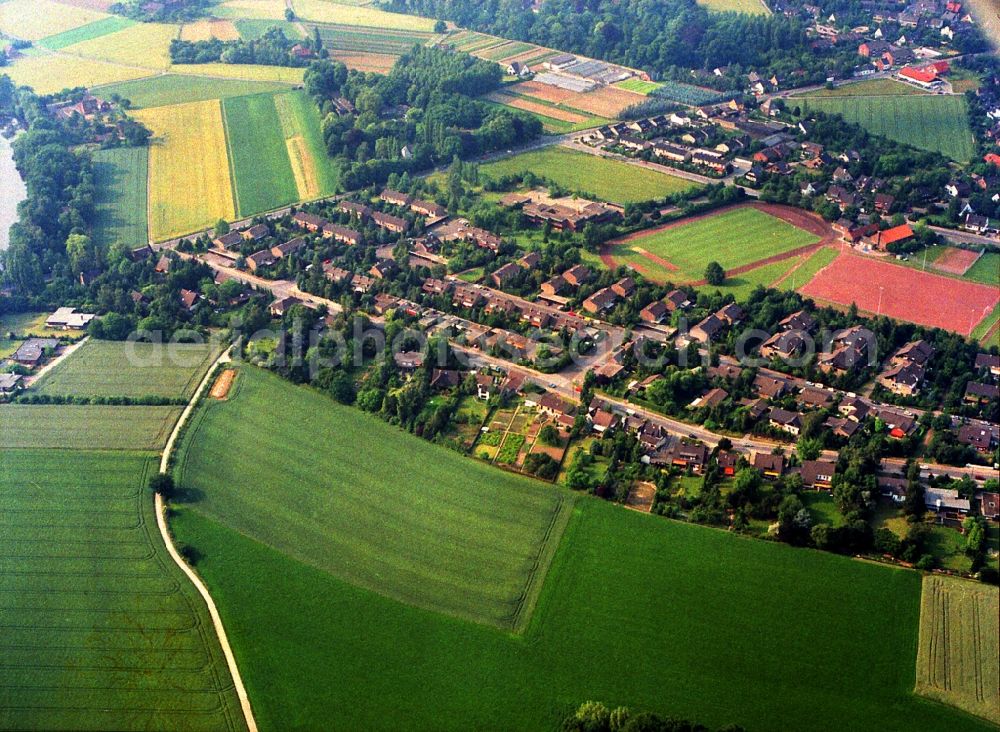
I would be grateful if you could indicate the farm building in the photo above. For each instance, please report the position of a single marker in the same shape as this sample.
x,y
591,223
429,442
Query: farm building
x,y
69,319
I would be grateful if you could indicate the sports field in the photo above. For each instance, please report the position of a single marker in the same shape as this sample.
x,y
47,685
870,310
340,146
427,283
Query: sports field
x,y
98,28
189,183
959,645
926,121
116,368
86,427
120,178
48,73
167,89
637,610
98,628
402,517
257,154
903,293
315,175
142,44
735,238
34,20
609,180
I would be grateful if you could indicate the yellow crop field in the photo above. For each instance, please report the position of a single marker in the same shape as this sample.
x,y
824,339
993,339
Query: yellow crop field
x,y
262,9
33,20
189,183
324,11
48,72
205,30
959,645
753,7
244,72
143,44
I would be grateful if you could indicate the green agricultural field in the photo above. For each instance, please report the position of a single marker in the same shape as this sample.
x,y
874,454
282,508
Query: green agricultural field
x,y
733,238
370,40
250,29
103,27
114,368
609,180
86,427
167,89
402,517
120,180
752,7
959,645
261,171
637,610
315,174
100,629
126,369
638,86
985,270
866,88
926,121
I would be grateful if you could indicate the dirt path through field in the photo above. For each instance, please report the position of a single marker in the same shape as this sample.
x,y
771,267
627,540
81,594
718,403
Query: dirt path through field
x,y
805,220
161,522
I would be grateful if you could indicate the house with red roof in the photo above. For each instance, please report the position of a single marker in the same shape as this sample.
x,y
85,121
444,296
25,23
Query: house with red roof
x,y
895,235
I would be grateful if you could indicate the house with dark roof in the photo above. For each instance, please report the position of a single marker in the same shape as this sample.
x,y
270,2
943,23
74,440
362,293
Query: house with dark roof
x,y
768,464
785,420
976,393
708,329
818,474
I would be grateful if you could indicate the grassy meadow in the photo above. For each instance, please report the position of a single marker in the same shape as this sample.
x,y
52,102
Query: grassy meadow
x,y
189,183
85,427
926,121
327,11
636,610
402,517
960,645
120,199
258,154
168,89
100,629
733,238
115,368
609,180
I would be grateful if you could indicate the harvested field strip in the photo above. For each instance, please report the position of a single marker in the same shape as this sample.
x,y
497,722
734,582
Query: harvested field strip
x,y
606,101
903,293
247,72
223,383
96,29
468,541
205,30
128,369
120,196
544,92
189,183
960,645
86,427
519,102
372,62
314,173
99,629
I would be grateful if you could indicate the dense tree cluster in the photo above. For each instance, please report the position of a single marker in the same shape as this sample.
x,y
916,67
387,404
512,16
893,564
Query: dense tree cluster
x,y
421,114
596,717
273,48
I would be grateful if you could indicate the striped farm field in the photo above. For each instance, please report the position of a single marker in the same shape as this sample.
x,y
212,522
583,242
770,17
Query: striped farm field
x,y
189,183
526,104
960,645
100,629
205,30
370,40
326,11
258,155
121,176
638,86
127,369
85,427
926,121
48,73
33,20
166,89
314,173
606,101
142,44
403,517
97,29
